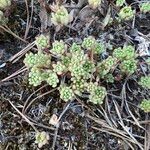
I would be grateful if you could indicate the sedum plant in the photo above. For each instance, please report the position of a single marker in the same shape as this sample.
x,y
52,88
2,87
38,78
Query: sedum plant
x,y
120,2
145,7
42,41
145,105
127,58
145,82
4,4
94,3
128,66
66,93
77,69
58,48
41,138
126,13
60,16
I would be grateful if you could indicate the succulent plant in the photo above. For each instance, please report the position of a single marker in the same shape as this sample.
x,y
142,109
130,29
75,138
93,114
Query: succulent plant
x,y
66,93
126,13
79,71
75,48
89,43
94,3
99,48
4,4
145,7
145,105
52,78
120,2
78,85
60,16
106,65
35,77
41,138
42,41
59,68
97,95
58,48
3,19
145,82
37,60
128,66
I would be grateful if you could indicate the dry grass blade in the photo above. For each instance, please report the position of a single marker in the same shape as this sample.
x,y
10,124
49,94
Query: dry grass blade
x,y
21,70
23,116
26,102
17,56
29,18
124,127
114,131
6,29
147,136
32,101
126,140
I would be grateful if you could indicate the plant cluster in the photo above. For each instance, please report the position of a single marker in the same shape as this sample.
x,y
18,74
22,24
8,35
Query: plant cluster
x,y
60,16
120,2
77,66
4,4
127,58
126,13
145,105
94,3
145,7
145,82
41,138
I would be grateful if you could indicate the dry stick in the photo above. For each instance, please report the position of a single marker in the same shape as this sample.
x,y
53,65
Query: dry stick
x,y
14,74
31,96
29,21
23,116
117,135
32,101
17,56
124,127
56,131
6,29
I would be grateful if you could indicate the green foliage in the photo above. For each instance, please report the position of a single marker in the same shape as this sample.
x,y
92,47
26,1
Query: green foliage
x,y
78,85
145,82
94,3
66,93
58,48
120,2
59,68
106,65
97,95
37,60
128,66
77,69
126,13
42,41
89,43
52,78
60,16
75,48
145,7
41,138
35,77
3,19
145,105
4,4
126,56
